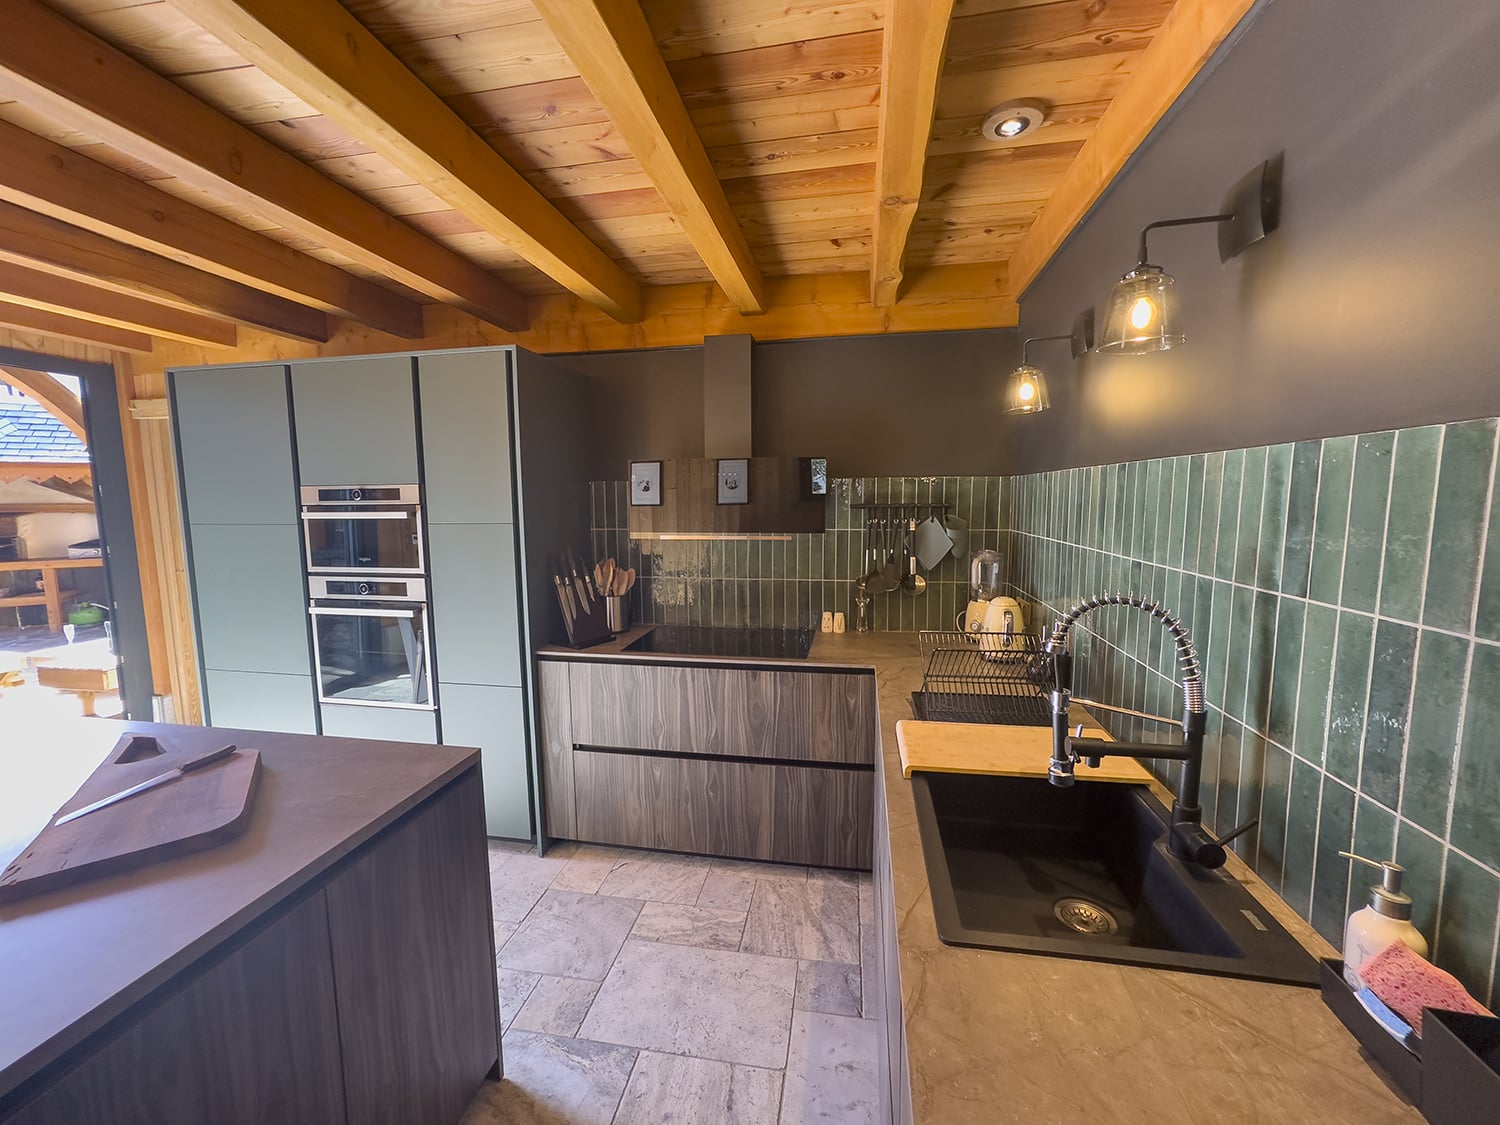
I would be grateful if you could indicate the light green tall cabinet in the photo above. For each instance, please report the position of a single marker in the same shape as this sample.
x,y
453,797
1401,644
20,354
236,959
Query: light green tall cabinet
x,y
234,438
476,597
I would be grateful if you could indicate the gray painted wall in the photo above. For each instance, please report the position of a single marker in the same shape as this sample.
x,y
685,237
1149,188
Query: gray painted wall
x,y
925,403
1373,305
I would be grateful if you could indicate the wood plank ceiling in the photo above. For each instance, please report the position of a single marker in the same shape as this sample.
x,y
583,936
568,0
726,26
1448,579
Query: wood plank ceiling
x,y
170,169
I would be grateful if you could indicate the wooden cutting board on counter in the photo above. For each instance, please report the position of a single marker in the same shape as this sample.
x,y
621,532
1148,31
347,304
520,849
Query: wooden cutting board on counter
x,y
992,748
197,810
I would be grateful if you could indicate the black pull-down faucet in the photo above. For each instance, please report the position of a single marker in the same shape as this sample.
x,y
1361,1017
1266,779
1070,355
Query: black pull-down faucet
x,y
1189,841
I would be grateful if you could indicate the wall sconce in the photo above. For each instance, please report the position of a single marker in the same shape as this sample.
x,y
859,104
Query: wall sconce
x,y
1145,311
1026,392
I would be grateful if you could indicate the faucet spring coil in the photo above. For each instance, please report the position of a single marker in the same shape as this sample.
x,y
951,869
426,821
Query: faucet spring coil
x,y
1187,652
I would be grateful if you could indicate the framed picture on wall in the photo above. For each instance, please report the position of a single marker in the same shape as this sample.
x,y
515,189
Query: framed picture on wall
x,y
645,484
734,480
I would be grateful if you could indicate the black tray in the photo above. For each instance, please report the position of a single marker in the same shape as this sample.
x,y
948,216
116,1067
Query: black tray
x,y
1404,1067
1460,1068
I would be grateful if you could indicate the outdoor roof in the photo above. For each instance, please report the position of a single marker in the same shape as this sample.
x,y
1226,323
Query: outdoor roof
x,y
29,433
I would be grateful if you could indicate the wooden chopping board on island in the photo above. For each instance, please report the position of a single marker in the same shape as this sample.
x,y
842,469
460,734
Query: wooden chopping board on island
x,y
199,809
994,748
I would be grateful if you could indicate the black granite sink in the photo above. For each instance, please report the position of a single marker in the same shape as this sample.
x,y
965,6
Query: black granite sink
x,y
1016,864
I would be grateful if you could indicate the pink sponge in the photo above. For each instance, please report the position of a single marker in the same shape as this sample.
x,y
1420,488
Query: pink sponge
x,y
1407,983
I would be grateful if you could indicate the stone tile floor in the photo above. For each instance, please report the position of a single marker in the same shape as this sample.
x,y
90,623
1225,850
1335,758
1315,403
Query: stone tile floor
x,y
642,987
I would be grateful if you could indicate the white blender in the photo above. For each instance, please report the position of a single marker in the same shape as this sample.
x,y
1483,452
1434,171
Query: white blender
x,y
990,611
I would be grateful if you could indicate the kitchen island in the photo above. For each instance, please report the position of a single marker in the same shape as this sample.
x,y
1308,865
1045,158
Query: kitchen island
x,y
333,963
985,1036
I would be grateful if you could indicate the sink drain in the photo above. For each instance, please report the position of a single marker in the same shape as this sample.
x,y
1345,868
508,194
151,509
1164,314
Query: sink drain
x,y
1085,917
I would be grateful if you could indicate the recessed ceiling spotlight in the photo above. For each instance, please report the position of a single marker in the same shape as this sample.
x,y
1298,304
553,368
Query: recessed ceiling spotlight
x,y
1013,120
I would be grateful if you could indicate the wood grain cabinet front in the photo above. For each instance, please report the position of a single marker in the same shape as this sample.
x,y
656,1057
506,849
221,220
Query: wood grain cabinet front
x,y
754,763
369,999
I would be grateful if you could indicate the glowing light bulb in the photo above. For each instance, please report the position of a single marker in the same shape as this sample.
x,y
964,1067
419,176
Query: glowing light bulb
x,y
1027,391
1012,127
1142,313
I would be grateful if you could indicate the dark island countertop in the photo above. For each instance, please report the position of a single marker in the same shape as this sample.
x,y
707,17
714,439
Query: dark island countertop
x,y
73,959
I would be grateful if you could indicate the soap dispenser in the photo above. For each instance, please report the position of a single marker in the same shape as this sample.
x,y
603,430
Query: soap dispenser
x,y
1387,919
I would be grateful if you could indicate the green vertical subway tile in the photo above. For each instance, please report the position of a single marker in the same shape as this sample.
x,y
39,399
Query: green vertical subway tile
x,y
1331,521
1487,615
1476,827
1208,520
1274,803
1137,510
1301,506
1229,514
1364,546
1466,932
1192,516
1331,875
1458,523
1227,799
1237,666
1301,837
1200,615
1412,483
1218,643
1385,718
1286,670
1252,493
1262,660
1273,518
1346,707
1422,856
1374,836
1177,510
1432,738
1151,516
1251,787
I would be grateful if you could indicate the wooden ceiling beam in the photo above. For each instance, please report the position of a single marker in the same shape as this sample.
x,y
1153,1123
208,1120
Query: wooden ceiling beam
x,y
54,247
58,68
24,286
55,181
27,319
324,55
60,402
916,34
1182,45
612,46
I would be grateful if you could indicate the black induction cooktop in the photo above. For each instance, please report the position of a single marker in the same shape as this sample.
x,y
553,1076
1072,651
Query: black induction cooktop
x,y
703,640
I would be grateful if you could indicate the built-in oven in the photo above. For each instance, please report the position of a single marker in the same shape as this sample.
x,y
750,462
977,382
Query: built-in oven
x,y
370,640
371,528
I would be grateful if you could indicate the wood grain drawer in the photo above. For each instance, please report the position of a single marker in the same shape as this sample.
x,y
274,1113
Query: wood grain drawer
x,y
785,813
734,712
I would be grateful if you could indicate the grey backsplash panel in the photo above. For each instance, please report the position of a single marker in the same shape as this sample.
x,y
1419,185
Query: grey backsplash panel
x,y
789,583
1347,610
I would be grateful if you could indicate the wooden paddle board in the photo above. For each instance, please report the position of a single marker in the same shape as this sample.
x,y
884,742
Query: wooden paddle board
x,y
197,810
993,748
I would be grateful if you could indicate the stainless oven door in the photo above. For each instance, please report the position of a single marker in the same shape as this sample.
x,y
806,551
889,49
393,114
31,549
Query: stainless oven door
x,y
373,655
373,540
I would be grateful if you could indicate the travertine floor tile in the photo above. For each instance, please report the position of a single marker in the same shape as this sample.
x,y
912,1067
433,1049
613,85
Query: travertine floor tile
x,y
556,1006
570,935
831,1071
723,890
773,872
656,877
554,1081
587,869
707,1003
690,925
828,986
817,920
675,1088
869,972
518,878
515,987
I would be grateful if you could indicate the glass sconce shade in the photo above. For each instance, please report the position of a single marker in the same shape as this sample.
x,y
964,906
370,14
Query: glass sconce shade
x,y
1144,314
1027,391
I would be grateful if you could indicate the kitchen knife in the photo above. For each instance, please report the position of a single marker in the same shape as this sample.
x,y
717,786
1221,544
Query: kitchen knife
x,y
150,783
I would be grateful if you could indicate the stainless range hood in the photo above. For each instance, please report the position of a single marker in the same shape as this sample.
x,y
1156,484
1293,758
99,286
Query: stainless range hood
x,y
728,493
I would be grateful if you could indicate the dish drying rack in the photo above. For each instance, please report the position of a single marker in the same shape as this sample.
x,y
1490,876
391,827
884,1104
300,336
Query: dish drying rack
x,y
983,678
